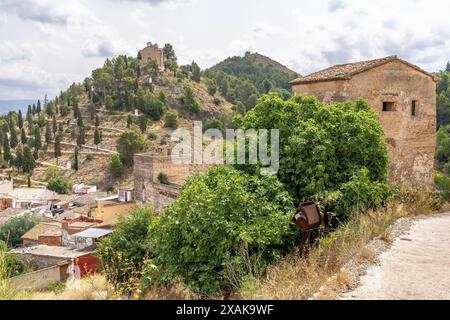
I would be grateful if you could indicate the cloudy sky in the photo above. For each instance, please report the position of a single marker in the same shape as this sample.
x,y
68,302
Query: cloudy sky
x,y
45,44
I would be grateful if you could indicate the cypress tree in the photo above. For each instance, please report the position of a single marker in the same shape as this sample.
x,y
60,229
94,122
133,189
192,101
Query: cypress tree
x,y
81,138
13,140
29,162
97,138
54,125
23,136
48,133
20,120
6,148
80,121
37,137
38,107
19,158
129,122
75,160
143,123
58,146
97,120
60,129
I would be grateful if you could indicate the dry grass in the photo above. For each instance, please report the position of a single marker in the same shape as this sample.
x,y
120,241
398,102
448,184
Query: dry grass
x,y
94,287
298,278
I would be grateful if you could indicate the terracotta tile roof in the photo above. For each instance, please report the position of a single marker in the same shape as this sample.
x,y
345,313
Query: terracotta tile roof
x,y
346,71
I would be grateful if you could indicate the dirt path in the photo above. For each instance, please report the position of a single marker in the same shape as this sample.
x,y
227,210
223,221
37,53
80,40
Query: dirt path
x,y
416,266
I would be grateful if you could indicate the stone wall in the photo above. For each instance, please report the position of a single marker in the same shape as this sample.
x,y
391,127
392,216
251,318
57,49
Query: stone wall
x,y
148,189
411,140
37,280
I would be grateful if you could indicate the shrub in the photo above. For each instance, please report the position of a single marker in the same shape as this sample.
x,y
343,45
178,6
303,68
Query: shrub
x,y
222,220
60,185
52,173
162,178
152,136
171,120
123,253
443,185
188,100
10,265
214,124
89,157
12,231
357,195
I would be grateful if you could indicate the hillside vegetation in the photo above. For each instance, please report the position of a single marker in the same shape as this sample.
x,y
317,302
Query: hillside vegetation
x,y
242,80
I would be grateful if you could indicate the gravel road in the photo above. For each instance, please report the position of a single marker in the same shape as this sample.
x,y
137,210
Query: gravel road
x,y
416,266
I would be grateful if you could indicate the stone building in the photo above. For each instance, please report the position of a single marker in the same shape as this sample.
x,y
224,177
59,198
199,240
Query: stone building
x,y
152,52
147,185
403,95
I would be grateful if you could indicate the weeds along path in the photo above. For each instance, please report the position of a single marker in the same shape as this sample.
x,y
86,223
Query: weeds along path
x,y
416,266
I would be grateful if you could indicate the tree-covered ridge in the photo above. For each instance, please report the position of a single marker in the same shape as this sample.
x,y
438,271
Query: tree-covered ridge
x,y
247,68
242,80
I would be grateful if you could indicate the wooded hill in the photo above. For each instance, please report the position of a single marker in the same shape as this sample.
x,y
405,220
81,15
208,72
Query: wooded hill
x,y
78,131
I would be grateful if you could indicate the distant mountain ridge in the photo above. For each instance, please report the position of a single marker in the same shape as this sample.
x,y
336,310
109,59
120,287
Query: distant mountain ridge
x,y
256,68
261,59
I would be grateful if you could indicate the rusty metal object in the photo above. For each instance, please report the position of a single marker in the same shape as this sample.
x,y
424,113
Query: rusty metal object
x,y
307,218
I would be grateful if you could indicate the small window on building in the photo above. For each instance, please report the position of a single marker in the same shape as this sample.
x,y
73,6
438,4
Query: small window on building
x,y
388,106
414,107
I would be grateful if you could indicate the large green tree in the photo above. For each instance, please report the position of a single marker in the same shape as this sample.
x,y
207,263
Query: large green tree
x,y
321,146
129,143
12,231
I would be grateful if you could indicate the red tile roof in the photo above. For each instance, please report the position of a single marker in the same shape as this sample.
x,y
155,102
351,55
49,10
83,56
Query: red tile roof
x,y
347,71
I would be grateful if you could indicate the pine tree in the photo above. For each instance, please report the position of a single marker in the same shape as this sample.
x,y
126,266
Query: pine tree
x,y
58,146
37,137
23,136
13,140
97,138
54,125
48,133
20,120
75,160
116,166
129,122
6,148
29,162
